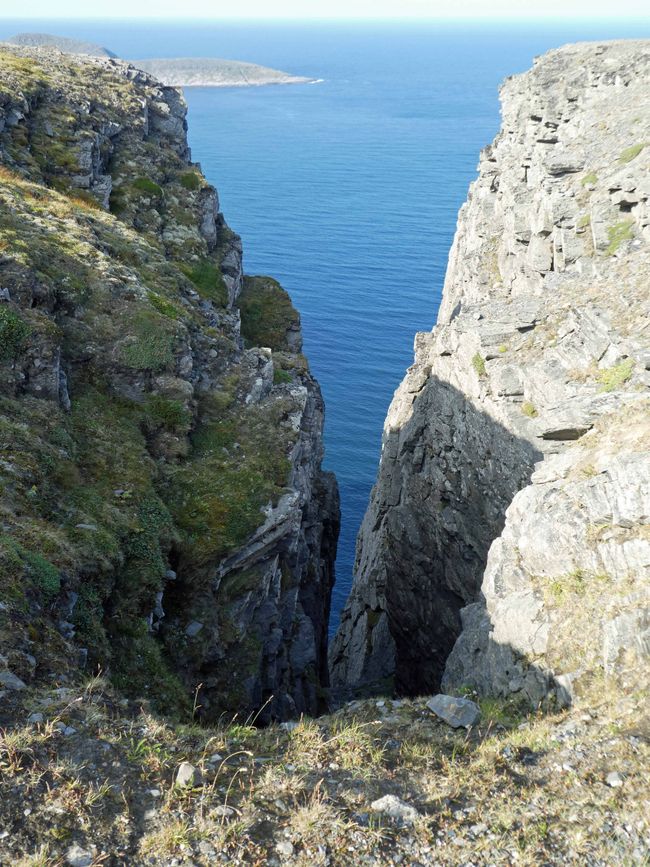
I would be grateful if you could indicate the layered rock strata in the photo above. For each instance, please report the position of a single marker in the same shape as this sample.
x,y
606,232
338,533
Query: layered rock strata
x,y
164,513
512,506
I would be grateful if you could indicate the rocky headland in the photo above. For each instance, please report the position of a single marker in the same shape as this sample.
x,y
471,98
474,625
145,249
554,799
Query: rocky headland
x,y
164,514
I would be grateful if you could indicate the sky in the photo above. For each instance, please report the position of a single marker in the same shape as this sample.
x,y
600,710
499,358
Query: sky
x,y
330,9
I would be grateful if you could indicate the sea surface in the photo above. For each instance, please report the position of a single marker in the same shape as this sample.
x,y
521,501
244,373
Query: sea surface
x,y
347,191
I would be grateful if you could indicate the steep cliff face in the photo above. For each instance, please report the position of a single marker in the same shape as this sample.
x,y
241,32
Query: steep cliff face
x,y
164,512
534,381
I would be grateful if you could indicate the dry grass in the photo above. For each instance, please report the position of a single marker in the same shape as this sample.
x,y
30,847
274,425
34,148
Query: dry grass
x,y
499,793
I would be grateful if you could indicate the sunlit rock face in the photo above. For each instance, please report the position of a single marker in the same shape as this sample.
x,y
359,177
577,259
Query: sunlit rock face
x,y
513,497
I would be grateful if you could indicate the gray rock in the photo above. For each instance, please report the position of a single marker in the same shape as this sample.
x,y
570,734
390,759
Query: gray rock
x,y
76,856
284,848
35,718
396,809
8,680
193,628
456,712
188,776
614,780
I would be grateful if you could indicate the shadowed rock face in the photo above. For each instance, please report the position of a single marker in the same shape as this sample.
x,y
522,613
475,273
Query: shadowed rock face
x,y
540,354
424,542
165,516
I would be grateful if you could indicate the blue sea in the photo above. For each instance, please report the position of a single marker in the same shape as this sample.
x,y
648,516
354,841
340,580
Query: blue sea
x,y
347,191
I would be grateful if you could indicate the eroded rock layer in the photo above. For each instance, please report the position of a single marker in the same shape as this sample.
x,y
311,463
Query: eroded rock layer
x,y
164,513
519,439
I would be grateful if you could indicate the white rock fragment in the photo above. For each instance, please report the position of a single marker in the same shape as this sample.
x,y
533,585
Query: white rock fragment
x,y
392,806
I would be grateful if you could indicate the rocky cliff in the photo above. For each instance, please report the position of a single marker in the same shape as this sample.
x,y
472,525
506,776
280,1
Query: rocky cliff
x,y
506,547
164,513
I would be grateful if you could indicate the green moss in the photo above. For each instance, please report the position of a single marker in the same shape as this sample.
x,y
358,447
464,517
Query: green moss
x,y
589,180
14,331
238,464
631,153
191,181
478,363
614,377
618,234
528,409
21,567
584,221
145,185
267,314
208,280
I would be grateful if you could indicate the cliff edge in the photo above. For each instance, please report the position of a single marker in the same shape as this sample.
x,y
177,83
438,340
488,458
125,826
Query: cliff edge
x,y
506,546
165,518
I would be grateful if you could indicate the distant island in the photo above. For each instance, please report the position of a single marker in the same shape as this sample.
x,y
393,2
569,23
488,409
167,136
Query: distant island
x,y
214,72
174,71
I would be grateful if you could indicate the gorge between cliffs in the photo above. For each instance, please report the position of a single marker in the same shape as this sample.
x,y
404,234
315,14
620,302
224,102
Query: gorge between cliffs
x,y
168,538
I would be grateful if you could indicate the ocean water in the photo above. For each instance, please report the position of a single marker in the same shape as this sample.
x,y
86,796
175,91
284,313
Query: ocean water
x,y
347,191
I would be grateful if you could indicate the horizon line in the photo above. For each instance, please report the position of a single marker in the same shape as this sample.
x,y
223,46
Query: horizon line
x,y
496,19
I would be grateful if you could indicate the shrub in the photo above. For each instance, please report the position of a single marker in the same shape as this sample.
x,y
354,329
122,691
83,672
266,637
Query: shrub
x,y
145,185
191,181
631,153
281,376
267,314
208,280
164,306
170,414
13,333
619,233
478,363
613,377
45,575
